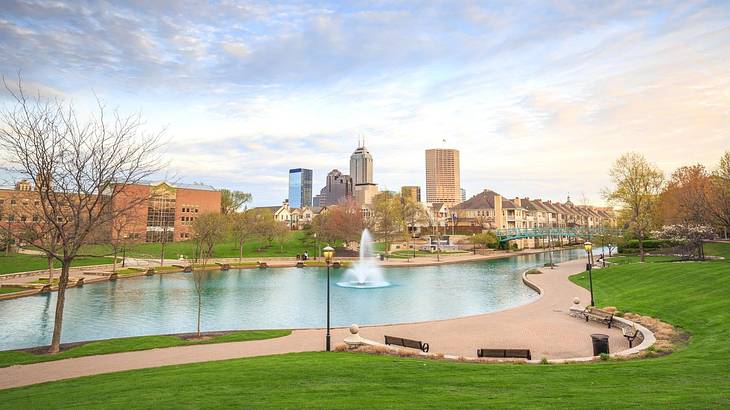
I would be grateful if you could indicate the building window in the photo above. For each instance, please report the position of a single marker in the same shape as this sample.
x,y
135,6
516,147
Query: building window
x,y
12,202
23,218
35,218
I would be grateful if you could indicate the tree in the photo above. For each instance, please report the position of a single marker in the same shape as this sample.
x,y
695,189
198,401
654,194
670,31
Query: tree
x,y
209,229
486,239
685,197
387,217
243,229
719,198
637,184
232,201
79,167
342,222
688,238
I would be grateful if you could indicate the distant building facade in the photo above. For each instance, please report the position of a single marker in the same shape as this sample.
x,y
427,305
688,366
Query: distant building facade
x,y
411,192
463,194
300,187
443,179
337,189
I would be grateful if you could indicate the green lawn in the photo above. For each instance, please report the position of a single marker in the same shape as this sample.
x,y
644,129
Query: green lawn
x,y
693,296
10,289
19,262
297,243
11,357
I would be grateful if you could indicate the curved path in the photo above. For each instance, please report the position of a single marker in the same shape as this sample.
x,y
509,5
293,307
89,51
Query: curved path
x,y
542,326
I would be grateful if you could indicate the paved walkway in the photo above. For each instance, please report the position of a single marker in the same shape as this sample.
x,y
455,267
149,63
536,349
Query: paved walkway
x,y
542,326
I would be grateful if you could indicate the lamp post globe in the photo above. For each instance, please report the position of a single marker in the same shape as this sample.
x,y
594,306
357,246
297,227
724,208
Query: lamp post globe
x,y
328,252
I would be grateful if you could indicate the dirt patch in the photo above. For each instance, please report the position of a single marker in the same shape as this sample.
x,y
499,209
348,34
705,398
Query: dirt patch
x,y
668,337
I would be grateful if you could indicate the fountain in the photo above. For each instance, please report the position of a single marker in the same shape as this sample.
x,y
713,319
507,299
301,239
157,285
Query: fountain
x,y
365,274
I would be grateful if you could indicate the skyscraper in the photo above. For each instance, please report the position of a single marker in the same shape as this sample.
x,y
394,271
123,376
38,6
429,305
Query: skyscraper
x,y
361,171
337,189
443,181
300,187
361,166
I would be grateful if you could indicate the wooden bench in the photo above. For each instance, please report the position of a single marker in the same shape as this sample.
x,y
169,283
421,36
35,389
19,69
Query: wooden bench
x,y
598,315
505,353
630,333
413,344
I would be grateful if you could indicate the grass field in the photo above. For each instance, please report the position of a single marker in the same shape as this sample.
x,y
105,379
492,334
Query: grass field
x,y
128,344
297,243
18,262
10,289
690,295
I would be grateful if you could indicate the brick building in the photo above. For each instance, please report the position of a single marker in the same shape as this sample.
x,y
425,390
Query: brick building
x,y
163,210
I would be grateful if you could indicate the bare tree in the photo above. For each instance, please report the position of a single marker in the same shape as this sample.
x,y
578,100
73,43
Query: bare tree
x,y
79,169
637,186
210,229
243,229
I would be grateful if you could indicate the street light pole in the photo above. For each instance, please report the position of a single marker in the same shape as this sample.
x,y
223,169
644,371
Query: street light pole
x,y
328,253
473,244
589,250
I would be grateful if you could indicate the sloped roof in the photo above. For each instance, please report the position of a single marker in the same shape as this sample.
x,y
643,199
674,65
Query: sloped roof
x,y
482,200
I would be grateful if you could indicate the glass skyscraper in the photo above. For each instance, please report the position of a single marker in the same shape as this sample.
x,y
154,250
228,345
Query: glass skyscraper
x,y
300,187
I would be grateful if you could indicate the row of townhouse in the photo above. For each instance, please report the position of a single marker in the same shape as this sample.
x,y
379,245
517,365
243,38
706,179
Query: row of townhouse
x,y
490,210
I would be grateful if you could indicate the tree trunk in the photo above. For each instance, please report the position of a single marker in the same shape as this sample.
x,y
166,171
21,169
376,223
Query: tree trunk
x,y
641,246
240,252
50,269
162,254
200,305
114,264
60,300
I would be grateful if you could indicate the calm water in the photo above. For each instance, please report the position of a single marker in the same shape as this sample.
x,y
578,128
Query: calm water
x,y
268,299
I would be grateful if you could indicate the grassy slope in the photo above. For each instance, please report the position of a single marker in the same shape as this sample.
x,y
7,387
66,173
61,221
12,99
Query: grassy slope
x,y
17,262
691,295
128,344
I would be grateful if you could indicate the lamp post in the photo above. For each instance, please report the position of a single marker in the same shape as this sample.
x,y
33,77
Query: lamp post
x,y
473,244
328,253
589,250
317,244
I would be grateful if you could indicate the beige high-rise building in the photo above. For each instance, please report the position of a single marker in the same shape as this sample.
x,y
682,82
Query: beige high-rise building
x,y
443,181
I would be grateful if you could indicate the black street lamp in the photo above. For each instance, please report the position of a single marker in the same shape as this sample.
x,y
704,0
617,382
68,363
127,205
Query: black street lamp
x,y
473,244
328,253
589,250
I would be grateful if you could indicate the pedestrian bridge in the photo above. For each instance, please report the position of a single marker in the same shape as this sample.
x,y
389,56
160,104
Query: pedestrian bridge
x,y
509,234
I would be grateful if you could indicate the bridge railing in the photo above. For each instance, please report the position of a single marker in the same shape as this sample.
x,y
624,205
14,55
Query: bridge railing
x,y
507,234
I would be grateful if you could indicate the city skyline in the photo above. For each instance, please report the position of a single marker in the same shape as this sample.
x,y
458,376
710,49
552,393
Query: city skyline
x,y
539,99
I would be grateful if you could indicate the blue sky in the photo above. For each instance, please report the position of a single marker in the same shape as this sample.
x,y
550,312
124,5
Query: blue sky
x,y
540,97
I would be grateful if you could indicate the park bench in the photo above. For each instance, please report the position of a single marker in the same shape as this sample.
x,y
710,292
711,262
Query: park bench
x,y
598,315
630,333
413,344
505,353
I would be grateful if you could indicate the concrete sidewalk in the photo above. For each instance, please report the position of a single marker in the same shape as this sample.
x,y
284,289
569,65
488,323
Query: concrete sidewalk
x,y
542,326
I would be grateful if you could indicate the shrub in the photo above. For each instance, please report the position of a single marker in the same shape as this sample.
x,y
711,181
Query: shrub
x,y
544,360
534,271
604,356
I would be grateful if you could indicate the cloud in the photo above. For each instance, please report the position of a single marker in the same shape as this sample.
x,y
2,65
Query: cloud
x,y
540,98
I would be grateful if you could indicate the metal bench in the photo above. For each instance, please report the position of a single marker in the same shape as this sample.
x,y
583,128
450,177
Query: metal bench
x,y
630,333
598,315
505,353
413,344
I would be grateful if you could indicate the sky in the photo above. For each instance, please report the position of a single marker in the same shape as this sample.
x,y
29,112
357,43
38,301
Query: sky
x,y
539,97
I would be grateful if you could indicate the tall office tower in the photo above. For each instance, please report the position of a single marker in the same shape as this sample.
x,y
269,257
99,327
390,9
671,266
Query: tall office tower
x,y
300,187
463,194
361,171
361,166
443,181
411,192
337,189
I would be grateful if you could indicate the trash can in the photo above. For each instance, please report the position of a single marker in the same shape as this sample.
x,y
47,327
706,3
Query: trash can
x,y
600,344
382,256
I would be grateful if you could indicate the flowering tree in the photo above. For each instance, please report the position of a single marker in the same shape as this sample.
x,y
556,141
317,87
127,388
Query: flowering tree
x,y
690,238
